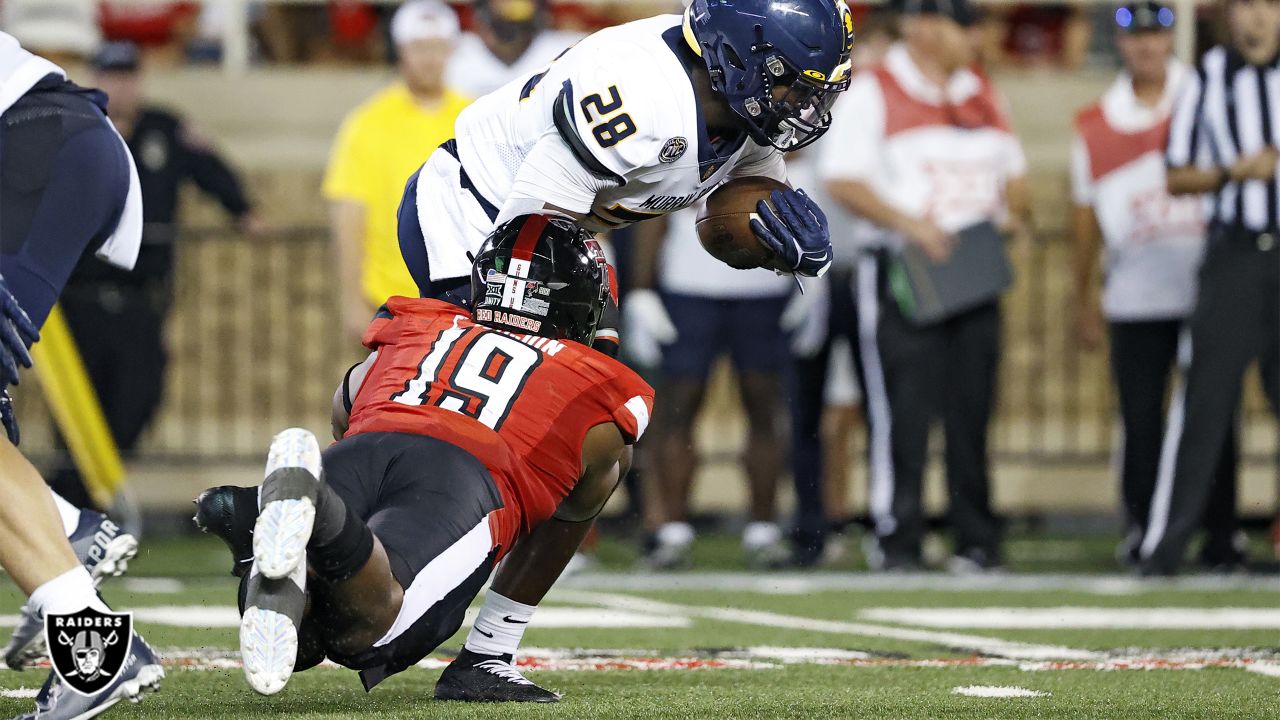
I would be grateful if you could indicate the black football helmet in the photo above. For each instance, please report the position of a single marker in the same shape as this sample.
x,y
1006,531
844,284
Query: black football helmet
x,y
540,275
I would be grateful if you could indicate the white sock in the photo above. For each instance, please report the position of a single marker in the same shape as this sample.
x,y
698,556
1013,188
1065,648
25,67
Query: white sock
x,y
678,534
69,513
70,592
500,625
758,534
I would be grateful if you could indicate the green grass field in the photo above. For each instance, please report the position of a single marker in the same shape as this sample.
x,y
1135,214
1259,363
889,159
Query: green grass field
x,y
731,644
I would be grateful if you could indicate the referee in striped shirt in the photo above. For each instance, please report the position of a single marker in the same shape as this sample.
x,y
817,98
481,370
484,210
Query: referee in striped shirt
x,y
1223,141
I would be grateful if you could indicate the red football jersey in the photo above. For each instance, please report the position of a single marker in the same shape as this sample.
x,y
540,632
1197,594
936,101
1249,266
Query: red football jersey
x,y
522,404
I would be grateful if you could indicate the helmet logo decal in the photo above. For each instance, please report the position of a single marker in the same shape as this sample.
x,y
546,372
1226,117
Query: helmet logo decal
x,y
673,150
816,75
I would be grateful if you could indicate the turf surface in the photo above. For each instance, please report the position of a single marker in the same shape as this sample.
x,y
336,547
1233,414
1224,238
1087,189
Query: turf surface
x,y
890,676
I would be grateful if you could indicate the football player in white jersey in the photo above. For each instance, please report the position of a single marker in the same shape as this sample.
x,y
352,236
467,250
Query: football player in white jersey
x,y
633,122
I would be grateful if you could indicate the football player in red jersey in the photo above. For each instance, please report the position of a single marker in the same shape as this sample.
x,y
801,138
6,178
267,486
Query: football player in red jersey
x,y
462,432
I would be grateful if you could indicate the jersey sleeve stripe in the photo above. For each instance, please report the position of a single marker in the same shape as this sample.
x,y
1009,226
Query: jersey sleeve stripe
x,y
562,114
640,411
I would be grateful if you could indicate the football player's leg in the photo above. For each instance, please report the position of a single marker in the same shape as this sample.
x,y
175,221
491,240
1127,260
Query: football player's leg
x,y
61,194
427,505
686,366
758,345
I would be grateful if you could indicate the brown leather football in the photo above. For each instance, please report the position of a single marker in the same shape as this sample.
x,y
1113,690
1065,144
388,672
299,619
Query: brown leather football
x,y
724,223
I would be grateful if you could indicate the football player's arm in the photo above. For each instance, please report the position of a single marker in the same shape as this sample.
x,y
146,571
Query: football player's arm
x,y
346,393
538,559
603,129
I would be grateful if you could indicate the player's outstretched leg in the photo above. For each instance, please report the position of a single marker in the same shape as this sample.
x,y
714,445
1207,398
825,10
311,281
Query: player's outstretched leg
x,y
276,587
104,550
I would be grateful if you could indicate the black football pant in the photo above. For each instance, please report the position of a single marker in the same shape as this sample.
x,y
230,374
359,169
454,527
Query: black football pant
x,y
1144,354
808,381
914,375
1236,321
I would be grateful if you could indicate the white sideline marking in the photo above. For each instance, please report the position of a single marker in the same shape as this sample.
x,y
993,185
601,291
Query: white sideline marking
x,y
194,616
794,583
969,643
202,616
153,585
585,617
1269,669
579,660
1055,618
21,693
996,691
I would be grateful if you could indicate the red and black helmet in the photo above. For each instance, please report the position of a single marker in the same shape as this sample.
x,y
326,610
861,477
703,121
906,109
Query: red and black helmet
x,y
540,275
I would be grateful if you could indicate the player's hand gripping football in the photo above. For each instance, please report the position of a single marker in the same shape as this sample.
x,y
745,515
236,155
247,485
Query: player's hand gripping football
x,y
797,232
17,332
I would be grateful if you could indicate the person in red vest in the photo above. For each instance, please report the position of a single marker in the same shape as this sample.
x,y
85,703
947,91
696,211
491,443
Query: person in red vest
x,y
923,150
1153,246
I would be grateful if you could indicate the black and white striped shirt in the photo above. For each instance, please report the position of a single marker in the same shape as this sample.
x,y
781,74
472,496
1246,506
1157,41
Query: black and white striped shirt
x,y
1229,110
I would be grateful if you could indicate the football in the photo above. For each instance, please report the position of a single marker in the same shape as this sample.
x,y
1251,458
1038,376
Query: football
x,y
724,223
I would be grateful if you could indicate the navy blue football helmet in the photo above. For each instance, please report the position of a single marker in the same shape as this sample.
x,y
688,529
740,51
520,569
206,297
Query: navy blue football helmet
x,y
780,63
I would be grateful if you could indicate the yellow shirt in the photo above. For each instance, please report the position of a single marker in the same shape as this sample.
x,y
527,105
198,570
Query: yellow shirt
x,y
380,145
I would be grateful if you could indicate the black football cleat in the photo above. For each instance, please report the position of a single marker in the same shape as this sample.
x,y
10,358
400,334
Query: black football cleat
x,y
473,677
230,512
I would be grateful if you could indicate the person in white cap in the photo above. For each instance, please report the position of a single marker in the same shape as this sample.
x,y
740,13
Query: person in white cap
x,y
379,146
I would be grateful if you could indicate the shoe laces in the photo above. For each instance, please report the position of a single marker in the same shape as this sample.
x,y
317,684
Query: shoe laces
x,y
504,670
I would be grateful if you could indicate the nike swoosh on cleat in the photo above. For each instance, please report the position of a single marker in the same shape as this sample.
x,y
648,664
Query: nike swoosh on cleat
x,y
507,618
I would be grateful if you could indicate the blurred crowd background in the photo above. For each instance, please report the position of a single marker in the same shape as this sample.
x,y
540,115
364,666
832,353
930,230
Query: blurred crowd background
x,y
273,140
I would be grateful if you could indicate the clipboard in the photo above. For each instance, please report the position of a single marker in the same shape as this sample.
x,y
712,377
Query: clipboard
x,y
977,272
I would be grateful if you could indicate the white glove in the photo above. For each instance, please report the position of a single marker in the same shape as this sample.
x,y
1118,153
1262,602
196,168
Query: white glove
x,y
646,326
806,318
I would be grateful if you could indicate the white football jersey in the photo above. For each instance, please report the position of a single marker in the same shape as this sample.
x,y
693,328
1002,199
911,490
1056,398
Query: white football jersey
x,y
611,130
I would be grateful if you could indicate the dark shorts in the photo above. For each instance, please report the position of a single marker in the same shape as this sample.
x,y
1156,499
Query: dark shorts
x,y
747,330
64,179
428,503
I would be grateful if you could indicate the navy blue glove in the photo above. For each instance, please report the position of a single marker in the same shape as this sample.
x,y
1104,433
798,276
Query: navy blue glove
x,y
797,233
17,332
7,418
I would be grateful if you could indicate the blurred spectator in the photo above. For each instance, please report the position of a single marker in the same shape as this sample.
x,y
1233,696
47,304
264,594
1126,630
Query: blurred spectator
x,y
117,317
511,40
825,392
1154,244
63,31
338,30
683,317
922,148
379,147
1223,141
1040,35
162,30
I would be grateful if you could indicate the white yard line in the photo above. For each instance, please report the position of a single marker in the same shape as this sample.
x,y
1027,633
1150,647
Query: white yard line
x,y
803,583
957,641
997,691
1079,618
